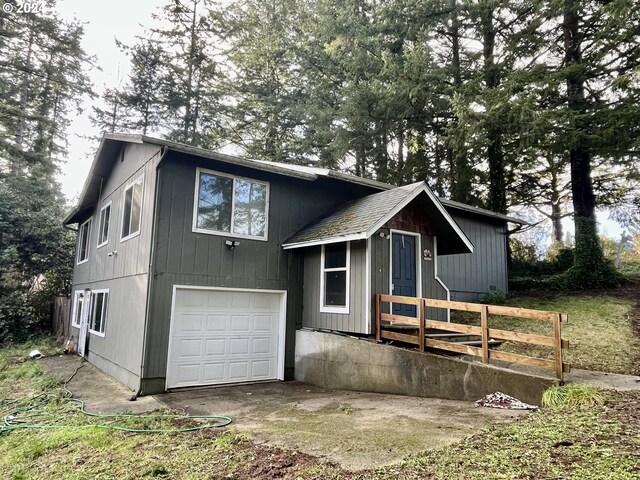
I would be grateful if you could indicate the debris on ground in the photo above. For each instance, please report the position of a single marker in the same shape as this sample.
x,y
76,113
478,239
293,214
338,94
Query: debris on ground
x,y
502,400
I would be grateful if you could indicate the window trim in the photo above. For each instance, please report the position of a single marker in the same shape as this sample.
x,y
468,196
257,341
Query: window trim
x,y
74,310
196,198
108,205
105,312
140,180
78,260
347,268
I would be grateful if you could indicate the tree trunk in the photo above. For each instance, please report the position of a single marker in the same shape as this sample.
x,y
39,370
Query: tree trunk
x,y
588,252
495,156
461,171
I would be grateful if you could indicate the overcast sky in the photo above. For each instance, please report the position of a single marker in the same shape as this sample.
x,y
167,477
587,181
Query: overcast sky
x,y
104,22
123,19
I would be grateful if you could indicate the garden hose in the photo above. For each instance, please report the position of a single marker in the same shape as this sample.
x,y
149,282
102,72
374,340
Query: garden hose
x,y
13,418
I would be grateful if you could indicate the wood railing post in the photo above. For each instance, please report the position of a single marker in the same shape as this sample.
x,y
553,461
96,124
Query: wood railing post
x,y
421,329
557,337
484,324
378,317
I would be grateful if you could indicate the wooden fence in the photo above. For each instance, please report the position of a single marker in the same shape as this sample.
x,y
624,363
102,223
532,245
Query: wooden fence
x,y
420,338
60,317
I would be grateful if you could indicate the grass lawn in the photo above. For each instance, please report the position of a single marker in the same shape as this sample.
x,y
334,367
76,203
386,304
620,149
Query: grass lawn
x,y
600,328
582,443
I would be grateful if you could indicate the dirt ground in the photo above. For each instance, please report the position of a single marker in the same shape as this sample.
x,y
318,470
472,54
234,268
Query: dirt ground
x,y
355,430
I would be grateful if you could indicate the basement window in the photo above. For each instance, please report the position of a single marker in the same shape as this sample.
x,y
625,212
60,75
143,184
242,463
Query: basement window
x,y
99,301
84,232
132,211
230,206
334,278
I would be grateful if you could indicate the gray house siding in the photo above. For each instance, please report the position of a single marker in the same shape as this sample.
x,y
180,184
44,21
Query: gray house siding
x,y
470,276
124,272
182,257
356,320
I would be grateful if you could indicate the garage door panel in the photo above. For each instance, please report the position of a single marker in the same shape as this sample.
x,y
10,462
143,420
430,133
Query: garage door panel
x,y
239,346
222,337
264,346
240,323
187,348
216,323
213,373
215,347
264,323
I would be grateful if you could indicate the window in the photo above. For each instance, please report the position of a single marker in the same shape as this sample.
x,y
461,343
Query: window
x,y
334,280
230,206
83,241
103,225
99,301
132,210
76,315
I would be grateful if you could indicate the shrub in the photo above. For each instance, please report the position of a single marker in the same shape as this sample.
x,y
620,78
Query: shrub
x,y
572,396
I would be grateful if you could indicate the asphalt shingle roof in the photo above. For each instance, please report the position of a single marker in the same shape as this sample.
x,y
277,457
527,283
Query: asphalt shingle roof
x,y
356,217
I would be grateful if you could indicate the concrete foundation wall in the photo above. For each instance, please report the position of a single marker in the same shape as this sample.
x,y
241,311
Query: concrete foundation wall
x,y
346,363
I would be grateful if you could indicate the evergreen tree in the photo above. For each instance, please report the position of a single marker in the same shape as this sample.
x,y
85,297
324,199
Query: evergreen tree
x,y
41,80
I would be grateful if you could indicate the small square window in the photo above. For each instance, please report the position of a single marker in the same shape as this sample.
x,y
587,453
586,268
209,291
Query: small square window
x,y
334,280
103,225
132,210
84,232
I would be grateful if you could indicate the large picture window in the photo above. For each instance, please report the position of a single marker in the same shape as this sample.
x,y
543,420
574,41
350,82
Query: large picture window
x,y
103,225
230,206
84,232
99,302
132,210
334,280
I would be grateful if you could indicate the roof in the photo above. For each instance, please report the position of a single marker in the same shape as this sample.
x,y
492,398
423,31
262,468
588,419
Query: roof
x,y
361,218
112,142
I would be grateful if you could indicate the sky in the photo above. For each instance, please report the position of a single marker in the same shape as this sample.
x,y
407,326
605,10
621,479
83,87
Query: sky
x,y
103,23
124,19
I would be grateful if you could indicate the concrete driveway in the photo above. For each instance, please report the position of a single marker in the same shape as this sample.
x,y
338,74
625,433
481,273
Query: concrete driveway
x,y
356,430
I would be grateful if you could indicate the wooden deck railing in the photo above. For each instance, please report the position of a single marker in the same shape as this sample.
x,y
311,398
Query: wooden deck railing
x,y
386,320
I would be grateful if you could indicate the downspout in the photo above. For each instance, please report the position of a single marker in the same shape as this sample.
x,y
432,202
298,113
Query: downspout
x,y
147,309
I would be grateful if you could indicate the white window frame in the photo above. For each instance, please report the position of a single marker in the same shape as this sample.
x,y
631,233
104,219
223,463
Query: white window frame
x,y
100,217
80,261
196,198
139,180
347,268
105,311
74,310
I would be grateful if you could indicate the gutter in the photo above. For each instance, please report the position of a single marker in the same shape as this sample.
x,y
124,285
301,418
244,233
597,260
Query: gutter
x,y
150,277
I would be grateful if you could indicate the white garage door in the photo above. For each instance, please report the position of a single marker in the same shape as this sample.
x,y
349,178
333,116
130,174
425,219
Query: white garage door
x,y
225,336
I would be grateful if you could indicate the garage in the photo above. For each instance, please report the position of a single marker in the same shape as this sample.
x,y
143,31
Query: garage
x,y
221,336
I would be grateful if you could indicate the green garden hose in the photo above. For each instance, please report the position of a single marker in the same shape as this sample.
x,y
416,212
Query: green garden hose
x,y
14,415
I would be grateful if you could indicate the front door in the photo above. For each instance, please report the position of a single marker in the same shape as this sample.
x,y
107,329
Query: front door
x,y
403,271
85,299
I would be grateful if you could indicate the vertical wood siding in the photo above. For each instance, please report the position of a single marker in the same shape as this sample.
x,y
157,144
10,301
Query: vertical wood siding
x,y
182,257
356,320
470,276
124,273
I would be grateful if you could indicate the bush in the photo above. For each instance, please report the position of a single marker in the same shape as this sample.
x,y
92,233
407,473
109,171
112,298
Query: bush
x,y
572,396
495,298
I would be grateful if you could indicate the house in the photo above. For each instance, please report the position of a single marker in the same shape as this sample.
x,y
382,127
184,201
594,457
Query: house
x,y
196,268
